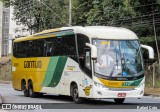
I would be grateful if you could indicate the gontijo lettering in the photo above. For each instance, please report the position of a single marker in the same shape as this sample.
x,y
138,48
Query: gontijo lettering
x,y
33,64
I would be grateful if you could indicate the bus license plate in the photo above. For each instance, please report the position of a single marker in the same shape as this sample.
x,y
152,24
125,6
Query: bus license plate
x,y
121,94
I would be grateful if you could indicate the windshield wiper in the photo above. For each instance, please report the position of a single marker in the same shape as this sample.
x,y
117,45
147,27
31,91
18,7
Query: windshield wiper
x,y
116,61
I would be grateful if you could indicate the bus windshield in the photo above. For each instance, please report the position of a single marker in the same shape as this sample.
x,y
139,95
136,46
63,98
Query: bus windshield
x,y
118,58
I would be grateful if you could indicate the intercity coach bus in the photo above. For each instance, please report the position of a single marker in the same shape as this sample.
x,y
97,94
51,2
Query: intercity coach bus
x,y
92,62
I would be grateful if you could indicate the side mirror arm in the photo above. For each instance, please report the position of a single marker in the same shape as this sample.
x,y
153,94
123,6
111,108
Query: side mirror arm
x,y
93,51
150,50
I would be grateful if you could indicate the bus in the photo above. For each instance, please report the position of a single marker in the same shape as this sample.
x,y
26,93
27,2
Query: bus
x,y
91,62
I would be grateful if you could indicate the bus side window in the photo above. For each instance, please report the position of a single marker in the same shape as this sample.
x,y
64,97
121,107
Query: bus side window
x,y
48,49
87,67
81,41
88,60
19,50
15,49
69,47
52,46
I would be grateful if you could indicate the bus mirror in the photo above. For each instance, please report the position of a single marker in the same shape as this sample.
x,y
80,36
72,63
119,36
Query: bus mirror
x,y
93,51
150,50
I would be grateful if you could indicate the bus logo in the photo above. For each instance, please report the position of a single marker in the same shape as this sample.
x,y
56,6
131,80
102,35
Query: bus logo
x,y
32,64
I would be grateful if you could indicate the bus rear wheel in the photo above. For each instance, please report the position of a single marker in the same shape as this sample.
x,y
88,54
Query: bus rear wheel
x,y
119,100
24,89
75,94
32,94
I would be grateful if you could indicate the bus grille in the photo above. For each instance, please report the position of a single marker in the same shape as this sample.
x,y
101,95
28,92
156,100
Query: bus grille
x,y
121,89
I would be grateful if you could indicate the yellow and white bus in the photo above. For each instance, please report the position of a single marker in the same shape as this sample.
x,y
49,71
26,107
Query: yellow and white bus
x,y
83,62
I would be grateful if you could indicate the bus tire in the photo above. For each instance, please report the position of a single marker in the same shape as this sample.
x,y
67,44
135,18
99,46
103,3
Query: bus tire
x,y
24,89
119,100
32,94
75,95
40,94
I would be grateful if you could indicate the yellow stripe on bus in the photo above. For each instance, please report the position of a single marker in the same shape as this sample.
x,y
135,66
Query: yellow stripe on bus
x,y
34,38
114,84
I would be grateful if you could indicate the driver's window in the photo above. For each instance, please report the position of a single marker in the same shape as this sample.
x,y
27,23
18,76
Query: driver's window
x,y
88,60
48,48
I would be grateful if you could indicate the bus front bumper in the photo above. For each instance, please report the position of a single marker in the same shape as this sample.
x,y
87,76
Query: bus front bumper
x,y
118,92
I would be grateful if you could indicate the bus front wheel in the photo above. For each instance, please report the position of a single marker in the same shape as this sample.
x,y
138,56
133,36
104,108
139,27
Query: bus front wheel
x,y
119,100
32,94
75,94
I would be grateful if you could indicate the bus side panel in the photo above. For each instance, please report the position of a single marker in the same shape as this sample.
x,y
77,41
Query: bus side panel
x,y
69,72
53,81
88,87
16,83
73,73
32,69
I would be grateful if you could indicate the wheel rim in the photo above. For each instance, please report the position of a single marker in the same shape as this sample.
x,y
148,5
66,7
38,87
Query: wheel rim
x,y
75,94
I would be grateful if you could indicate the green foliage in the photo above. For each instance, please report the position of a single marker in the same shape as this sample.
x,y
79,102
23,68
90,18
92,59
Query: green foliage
x,y
136,15
133,14
40,15
80,9
147,39
6,2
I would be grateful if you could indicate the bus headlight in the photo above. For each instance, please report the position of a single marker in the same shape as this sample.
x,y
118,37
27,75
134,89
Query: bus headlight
x,y
100,85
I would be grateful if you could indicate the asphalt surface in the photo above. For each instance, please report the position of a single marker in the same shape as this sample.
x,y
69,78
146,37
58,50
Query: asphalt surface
x,y
62,103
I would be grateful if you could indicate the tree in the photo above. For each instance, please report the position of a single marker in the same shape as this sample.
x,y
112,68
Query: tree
x,y
40,15
136,15
6,2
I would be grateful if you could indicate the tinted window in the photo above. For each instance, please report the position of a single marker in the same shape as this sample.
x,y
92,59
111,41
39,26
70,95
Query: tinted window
x,y
54,46
36,48
81,41
19,49
61,46
25,49
88,60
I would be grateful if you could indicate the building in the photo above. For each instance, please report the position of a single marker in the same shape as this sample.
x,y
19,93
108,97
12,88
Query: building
x,y
9,30
1,13
15,30
4,29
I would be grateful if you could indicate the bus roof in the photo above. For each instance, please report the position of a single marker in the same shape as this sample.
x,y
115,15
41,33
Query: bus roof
x,y
102,32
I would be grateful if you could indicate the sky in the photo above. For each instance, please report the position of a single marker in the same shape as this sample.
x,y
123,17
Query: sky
x,y
13,26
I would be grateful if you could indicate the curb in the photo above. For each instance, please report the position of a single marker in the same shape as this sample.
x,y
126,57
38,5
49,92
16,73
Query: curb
x,y
5,82
1,100
152,95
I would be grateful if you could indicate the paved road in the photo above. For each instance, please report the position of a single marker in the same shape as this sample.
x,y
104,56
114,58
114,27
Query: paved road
x,y
9,95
